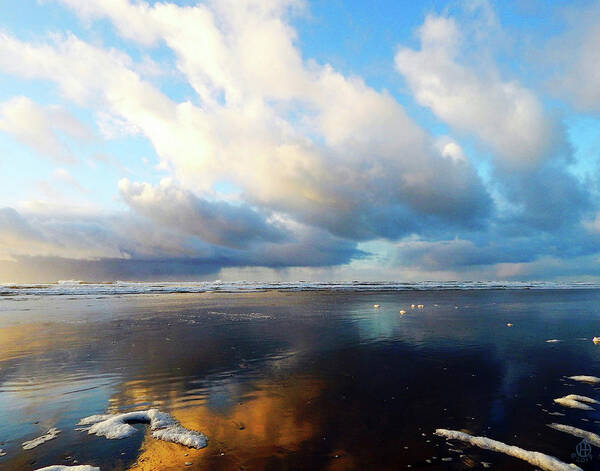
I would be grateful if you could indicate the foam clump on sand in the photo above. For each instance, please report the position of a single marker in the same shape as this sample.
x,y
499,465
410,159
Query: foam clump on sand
x,y
577,432
542,461
163,426
585,379
80,467
49,435
575,401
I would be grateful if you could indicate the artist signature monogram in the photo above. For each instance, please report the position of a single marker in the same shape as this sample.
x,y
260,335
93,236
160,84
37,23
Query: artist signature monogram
x,y
583,452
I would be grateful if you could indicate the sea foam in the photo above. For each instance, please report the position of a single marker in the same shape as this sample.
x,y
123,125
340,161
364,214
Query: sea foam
x,y
164,427
80,467
49,435
542,461
577,432
575,401
585,379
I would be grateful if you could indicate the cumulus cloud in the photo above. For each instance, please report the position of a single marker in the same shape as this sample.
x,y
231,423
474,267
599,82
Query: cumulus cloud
x,y
133,243
548,198
503,114
505,249
539,201
296,137
450,149
39,127
319,161
216,222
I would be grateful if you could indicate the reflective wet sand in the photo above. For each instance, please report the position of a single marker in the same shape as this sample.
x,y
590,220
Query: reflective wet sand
x,y
310,380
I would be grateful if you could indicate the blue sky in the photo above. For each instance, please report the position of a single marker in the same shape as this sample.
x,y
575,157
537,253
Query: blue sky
x,y
290,139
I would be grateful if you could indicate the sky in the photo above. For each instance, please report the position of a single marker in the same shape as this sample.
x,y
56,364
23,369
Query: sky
x,y
299,140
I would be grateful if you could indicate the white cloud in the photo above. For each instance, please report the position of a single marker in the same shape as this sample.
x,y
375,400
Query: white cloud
x,y
114,127
450,149
575,58
296,137
65,177
38,127
503,114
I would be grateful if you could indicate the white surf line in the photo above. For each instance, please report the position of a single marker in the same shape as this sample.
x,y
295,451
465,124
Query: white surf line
x,y
577,432
163,426
553,341
49,435
585,379
576,401
542,461
80,467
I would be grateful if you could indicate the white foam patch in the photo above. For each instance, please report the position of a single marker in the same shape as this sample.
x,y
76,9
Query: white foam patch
x,y
552,341
542,461
80,467
592,438
2,452
163,426
576,401
585,379
49,435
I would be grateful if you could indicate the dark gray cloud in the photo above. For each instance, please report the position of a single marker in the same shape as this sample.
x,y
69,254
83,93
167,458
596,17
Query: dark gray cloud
x,y
216,222
547,198
485,251
455,254
14,227
363,195
542,208
127,246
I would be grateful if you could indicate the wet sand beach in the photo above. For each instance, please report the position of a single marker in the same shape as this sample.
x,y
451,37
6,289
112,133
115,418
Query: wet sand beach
x,y
299,379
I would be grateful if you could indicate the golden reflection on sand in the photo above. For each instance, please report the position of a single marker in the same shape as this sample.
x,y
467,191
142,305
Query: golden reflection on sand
x,y
267,423
21,340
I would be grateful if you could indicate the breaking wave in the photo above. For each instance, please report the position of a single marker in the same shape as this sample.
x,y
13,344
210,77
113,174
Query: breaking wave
x,y
76,287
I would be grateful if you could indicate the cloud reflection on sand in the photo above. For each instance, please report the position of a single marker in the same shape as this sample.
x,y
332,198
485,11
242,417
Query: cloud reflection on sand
x,y
323,382
264,423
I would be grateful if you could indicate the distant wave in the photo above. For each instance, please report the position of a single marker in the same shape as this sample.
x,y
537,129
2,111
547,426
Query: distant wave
x,y
84,288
